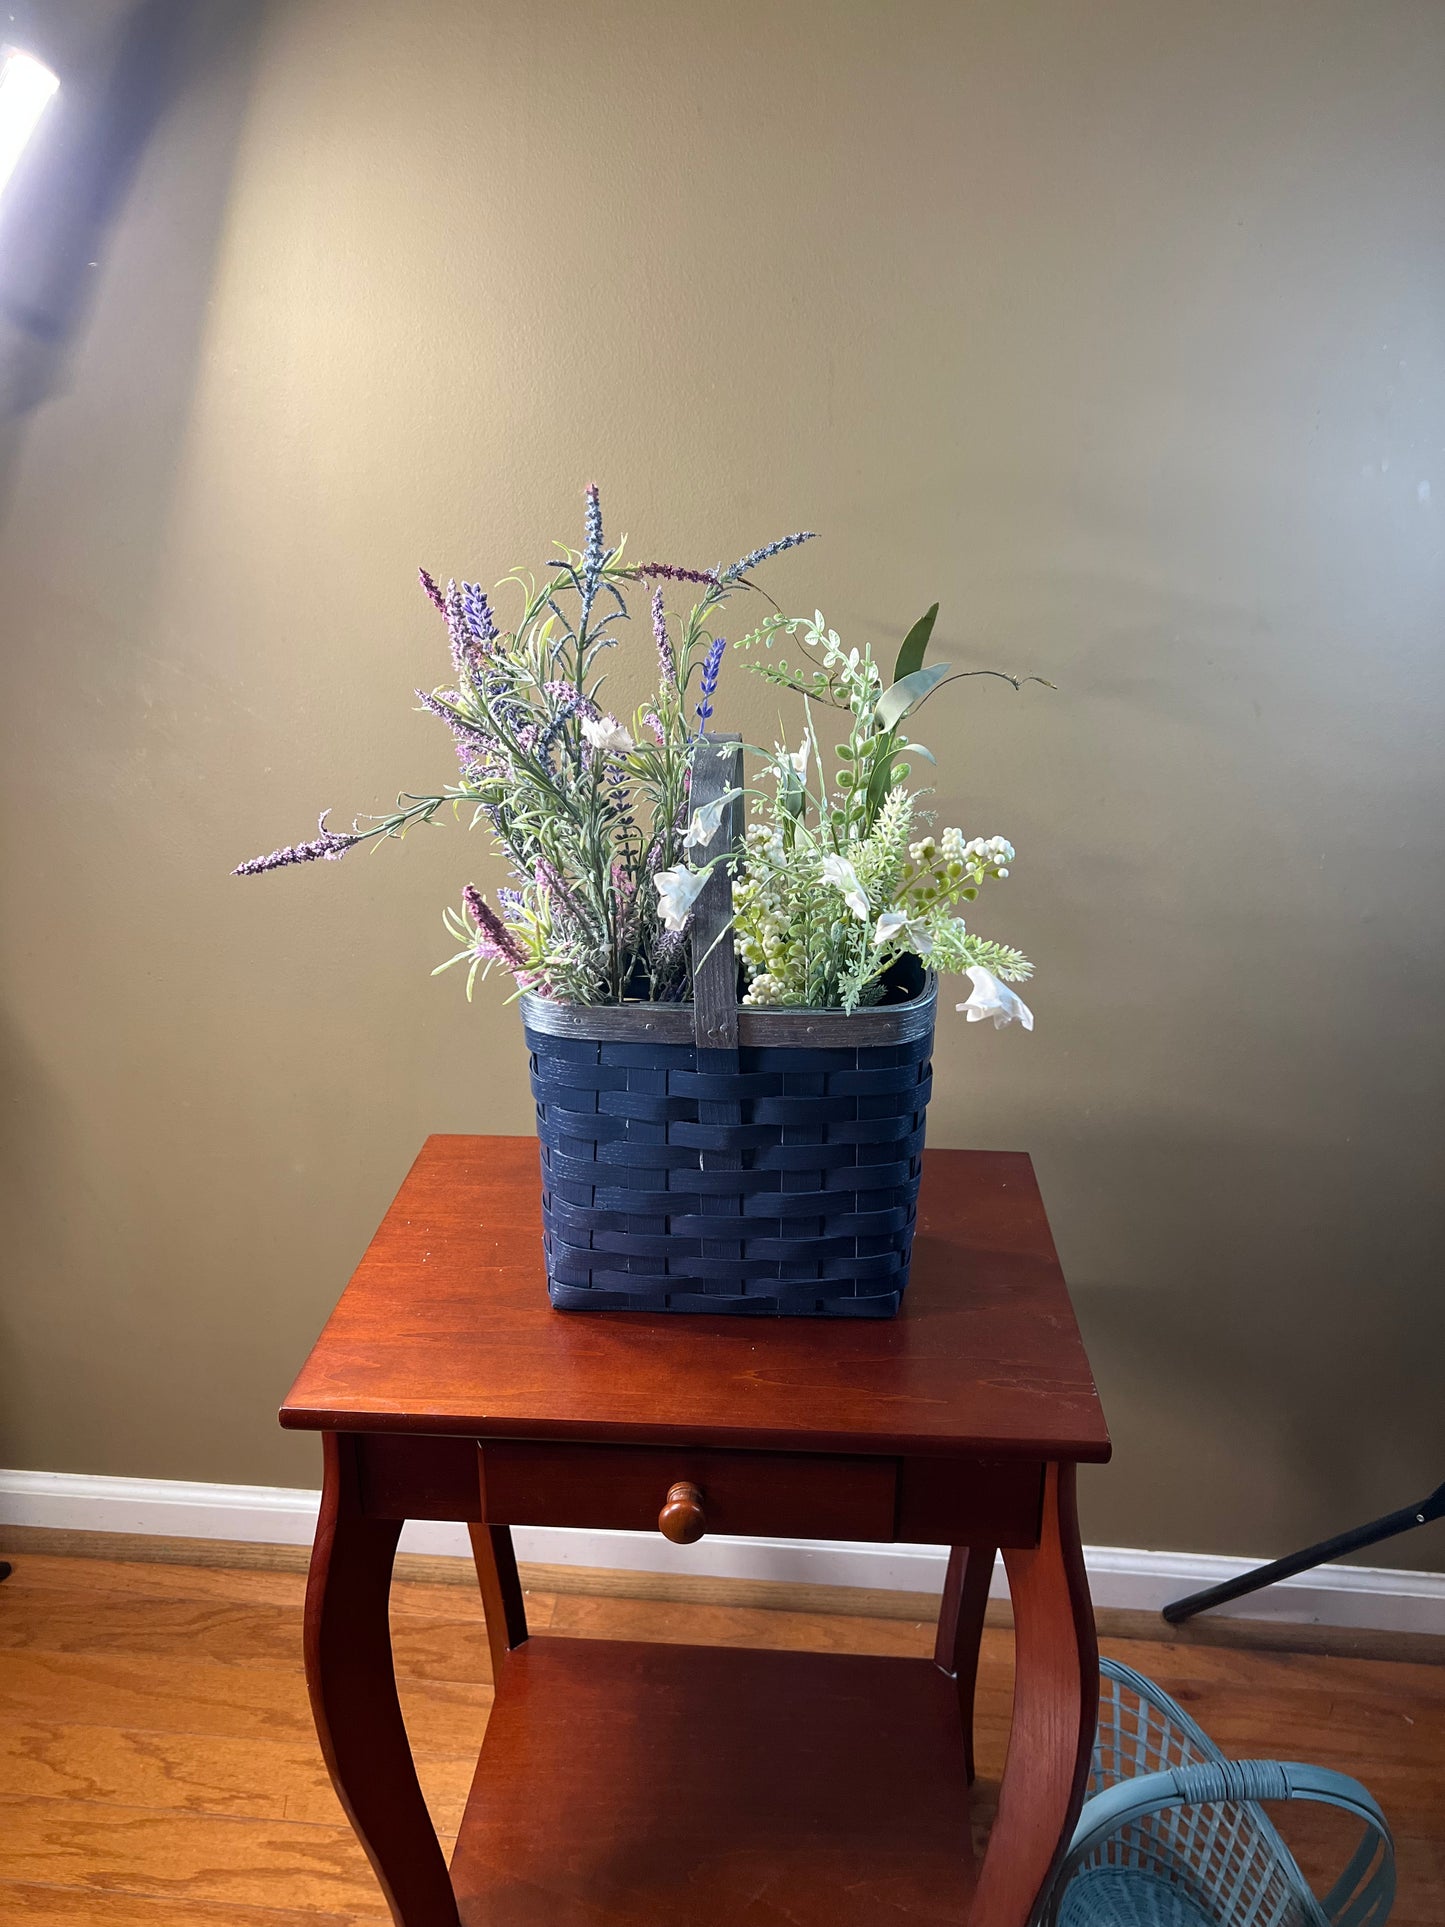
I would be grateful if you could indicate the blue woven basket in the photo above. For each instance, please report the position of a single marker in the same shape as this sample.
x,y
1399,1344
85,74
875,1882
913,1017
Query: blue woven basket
x,y
702,1158
777,1177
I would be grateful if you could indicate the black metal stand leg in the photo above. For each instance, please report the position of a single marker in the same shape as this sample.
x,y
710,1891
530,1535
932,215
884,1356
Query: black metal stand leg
x,y
1393,1523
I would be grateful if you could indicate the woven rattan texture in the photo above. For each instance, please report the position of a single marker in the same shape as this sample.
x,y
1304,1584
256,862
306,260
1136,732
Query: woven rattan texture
x,y
1218,1864
760,1180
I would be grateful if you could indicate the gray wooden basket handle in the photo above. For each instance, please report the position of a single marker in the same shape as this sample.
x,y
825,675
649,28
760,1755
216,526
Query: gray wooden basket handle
x,y
717,766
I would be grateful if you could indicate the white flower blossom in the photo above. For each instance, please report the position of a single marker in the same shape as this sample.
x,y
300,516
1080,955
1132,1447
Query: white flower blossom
x,y
990,998
838,871
898,923
607,735
707,821
678,890
796,760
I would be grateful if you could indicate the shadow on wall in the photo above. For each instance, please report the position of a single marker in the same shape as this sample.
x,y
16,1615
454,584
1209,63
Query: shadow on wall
x,y
123,336
70,188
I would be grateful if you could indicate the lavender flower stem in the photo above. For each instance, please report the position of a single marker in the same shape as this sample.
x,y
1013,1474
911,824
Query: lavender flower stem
x,y
666,661
328,845
647,570
593,555
765,554
710,671
493,935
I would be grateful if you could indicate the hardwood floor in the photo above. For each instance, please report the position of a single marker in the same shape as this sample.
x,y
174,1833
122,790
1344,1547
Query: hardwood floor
x,y
158,1766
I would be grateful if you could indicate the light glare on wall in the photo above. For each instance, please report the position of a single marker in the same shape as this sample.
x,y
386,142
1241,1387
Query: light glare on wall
x,y
26,86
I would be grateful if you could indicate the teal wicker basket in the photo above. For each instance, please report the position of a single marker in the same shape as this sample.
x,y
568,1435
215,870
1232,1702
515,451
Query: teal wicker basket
x,y
1173,1834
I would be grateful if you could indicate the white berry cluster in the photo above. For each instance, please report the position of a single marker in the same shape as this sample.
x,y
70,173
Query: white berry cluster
x,y
989,854
769,948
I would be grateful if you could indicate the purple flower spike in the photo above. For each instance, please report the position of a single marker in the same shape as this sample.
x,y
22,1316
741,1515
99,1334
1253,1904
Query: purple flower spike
x,y
494,938
433,594
666,661
670,574
710,671
462,641
325,847
593,555
477,612
765,554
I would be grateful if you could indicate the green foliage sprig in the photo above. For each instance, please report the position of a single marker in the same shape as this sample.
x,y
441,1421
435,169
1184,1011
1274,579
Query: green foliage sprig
x,y
833,888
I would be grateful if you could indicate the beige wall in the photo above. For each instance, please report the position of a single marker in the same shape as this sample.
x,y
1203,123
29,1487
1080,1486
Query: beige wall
x,y
1115,327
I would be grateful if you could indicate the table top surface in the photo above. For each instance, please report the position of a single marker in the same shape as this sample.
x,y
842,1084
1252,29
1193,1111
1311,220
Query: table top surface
x,y
446,1328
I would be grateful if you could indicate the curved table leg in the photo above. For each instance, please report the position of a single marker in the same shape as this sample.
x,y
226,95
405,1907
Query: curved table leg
x,y
960,1630
353,1698
1056,1703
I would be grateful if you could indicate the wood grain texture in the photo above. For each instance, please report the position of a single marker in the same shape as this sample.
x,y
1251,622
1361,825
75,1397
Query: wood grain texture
x,y
1380,1719
434,1646
24,1904
197,1773
185,1856
668,1622
702,1786
194,1773
445,1328
110,1552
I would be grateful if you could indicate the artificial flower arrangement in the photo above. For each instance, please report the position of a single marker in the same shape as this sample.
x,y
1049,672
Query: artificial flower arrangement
x,y
834,886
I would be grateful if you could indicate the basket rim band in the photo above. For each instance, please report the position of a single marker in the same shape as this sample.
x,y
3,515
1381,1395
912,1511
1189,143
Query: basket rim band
x,y
758,1026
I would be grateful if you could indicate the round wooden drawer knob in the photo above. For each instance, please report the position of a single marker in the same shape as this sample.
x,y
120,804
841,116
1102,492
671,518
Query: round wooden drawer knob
x,y
682,1518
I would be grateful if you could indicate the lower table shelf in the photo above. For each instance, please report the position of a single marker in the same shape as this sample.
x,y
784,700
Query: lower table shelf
x,y
702,1786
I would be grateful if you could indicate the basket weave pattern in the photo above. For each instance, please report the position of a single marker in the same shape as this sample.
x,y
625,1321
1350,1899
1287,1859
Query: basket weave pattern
x,y
1173,1834
761,1180
706,1159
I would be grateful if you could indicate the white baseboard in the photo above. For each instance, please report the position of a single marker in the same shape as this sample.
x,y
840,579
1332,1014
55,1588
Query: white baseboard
x,y
1362,1597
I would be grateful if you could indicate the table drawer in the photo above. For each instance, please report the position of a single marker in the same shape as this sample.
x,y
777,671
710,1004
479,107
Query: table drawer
x,y
970,1502
624,1487
793,1495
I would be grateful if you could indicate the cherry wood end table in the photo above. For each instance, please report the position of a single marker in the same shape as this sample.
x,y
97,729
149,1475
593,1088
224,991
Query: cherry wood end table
x,y
689,1786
